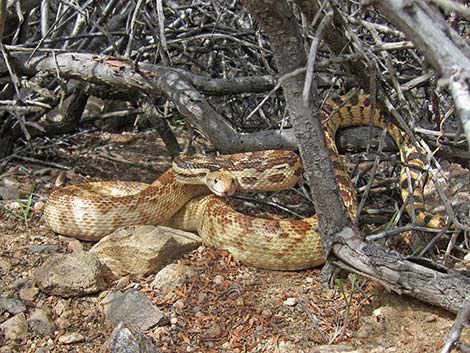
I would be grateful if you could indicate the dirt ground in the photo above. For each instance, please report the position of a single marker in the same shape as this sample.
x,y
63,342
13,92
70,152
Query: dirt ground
x,y
224,307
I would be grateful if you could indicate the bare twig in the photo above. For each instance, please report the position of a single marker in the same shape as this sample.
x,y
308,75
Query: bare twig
x,y
463,318
450,5
313,55
460,91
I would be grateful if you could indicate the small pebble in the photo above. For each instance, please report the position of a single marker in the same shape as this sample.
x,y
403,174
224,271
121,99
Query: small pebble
x,y
75,246
267,312
29,294
214,331
179,305
290,302
74,337
378,314
218,279
431,318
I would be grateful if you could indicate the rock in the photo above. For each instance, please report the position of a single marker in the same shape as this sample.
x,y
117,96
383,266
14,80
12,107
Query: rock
x,y
142,250
12,305
5,265
41,323
28,295
290,302
73,337
334,348
132,308
214,331
75,246
10,193
431,318
20,283
171,277
15,328
41,350
71,275
218,279
43,249
125,339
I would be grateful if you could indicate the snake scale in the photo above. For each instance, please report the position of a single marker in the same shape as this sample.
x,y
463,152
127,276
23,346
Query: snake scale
x,y
92,210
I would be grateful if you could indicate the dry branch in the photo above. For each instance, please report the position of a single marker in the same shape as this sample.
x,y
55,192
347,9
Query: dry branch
x,y
444,49
344,244
462,319
97,70
282,28
108,32
153,80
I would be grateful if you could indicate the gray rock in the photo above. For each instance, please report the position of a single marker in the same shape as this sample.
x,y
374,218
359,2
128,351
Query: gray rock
x,y
10,193
142,250
71,275
128,339
41,323
42,350
132,308
5,265
12,305
171,277
6,349
15,328
334,348
43,248
28,295
214,330
20,283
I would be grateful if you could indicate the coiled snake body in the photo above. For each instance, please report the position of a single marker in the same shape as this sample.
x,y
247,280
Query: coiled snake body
x,y
92,210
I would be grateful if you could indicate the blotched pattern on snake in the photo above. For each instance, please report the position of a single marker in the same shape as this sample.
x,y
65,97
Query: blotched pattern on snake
x,y
92,210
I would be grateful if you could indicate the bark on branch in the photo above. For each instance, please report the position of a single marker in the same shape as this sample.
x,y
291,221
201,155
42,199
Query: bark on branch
x,y
444,49
343,244
280,24
72,65
176,85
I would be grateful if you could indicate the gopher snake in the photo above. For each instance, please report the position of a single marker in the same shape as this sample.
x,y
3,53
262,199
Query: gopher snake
x,y
92,210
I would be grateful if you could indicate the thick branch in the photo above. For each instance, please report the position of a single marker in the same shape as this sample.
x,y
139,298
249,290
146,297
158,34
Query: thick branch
x,y
280,24
71,65
345,246
155,81
432,284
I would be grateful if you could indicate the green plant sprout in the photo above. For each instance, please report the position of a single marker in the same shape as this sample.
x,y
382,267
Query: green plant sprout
x,y
340,284
25,208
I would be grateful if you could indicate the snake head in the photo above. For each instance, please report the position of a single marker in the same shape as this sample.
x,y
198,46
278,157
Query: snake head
x,y
222,183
